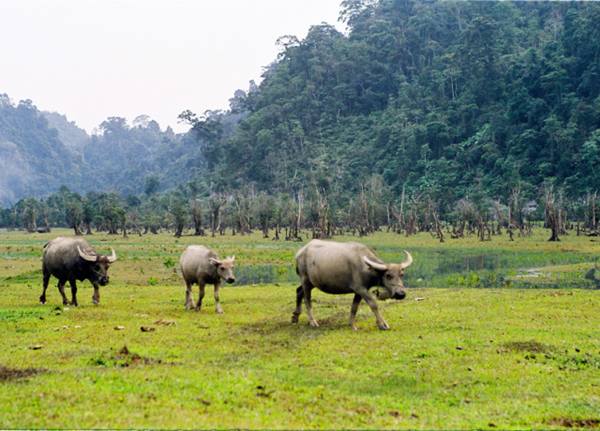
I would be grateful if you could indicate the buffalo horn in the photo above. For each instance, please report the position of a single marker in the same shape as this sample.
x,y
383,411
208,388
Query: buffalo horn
x,y
113,256
87,256
375,265
408,261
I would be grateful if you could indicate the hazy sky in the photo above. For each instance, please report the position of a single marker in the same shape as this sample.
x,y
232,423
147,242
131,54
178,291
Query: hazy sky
x,y
90,59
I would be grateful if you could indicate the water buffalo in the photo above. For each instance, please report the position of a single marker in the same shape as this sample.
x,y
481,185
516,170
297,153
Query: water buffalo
x,y
339,268
71,259
201,265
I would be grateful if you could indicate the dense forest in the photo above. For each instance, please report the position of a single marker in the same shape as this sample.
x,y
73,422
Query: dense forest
x,y
492,108
439,96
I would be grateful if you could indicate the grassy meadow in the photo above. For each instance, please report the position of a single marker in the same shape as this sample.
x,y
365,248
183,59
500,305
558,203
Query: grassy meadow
x,y
493,334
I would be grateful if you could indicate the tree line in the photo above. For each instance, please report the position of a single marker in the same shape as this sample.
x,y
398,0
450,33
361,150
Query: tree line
x,y
314,211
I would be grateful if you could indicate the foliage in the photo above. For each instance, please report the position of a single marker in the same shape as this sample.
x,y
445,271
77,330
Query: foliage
x,y
421,105
443,97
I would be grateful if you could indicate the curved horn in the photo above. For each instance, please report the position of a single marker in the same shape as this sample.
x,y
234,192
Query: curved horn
x,y
113,256
408,262
375,265
87,256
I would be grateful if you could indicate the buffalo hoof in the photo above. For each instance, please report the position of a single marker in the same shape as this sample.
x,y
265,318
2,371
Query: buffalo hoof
x,y
189,306
295,318
354,328
383,326
42,300
95,301
197,308
74,304
219,310
314,324
65,302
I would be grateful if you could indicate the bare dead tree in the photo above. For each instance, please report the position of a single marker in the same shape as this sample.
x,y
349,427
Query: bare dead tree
x,y
295,228
215,204
552,212
264,207
591,214
499,213
323,228
242,208
438,225
196,211
516,206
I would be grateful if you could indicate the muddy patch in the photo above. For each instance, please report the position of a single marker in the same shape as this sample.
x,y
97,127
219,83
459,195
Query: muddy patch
x,y
123,358
567,360
575,423
531,346
15,374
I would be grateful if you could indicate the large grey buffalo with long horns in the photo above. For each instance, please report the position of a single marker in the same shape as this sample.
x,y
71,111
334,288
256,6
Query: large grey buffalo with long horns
x,y
339,268
72,259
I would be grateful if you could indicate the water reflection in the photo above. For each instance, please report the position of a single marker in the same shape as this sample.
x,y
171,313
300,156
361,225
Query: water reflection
x,y
452,268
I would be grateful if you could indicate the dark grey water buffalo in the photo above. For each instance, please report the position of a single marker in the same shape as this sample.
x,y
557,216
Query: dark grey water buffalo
x,y
339,268
202,266
72,259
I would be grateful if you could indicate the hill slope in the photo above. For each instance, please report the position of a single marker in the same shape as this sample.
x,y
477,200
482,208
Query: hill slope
x,y
441,96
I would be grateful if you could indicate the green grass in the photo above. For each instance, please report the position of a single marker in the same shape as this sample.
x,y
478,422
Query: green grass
x,y
459,358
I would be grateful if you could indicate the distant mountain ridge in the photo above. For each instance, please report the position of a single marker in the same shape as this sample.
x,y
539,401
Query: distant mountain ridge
x,y
40,151
72,136
33,159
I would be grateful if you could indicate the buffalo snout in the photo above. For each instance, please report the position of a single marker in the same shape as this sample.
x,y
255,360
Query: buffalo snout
x,y
399,295
230,280
103,281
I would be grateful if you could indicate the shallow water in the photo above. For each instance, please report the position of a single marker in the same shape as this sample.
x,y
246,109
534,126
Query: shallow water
x,y
451,268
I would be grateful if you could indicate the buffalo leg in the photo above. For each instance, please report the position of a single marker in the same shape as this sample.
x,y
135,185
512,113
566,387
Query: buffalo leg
x,y
44,287
354,309
218,308
200,296
298,310
96,295
189,303
61,289
381,323
73,292
308,301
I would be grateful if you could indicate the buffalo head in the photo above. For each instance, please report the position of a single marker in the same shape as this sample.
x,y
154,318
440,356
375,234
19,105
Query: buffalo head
x,y
224,268
97,265
391,277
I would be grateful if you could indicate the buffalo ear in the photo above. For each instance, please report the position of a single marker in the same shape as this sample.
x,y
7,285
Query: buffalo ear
x,y
215,262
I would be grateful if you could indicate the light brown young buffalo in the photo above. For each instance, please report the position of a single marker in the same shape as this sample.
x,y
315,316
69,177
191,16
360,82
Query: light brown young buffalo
x,y
339,268
202,266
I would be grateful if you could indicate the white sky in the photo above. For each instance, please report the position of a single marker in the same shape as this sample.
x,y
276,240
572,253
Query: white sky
x,y
91,59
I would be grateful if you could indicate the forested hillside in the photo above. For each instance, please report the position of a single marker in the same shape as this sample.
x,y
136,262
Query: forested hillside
x,y
40,151
445,97
33,159
434,103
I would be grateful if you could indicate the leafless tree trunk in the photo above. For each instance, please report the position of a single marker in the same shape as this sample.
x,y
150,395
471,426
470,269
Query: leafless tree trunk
x,y
215,202
196,210
552,212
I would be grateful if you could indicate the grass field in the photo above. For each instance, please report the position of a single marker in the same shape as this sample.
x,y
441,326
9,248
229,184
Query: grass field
x,y
503,335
